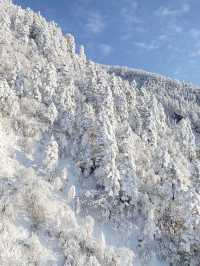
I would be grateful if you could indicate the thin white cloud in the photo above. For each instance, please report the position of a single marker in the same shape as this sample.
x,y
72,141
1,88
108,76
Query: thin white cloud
x,y
178,29
170,32
105,49
177,71
174,28
170,12
147,46
194,33
195,53
129,15
95,23
162,37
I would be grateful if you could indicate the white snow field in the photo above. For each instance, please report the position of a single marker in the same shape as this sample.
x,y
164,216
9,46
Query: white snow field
x,y
99,165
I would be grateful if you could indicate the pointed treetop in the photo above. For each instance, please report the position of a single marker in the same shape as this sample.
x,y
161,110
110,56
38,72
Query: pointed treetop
x,y
71,43
82,52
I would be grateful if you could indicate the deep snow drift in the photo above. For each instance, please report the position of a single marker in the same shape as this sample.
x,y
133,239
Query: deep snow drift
x,y
99,164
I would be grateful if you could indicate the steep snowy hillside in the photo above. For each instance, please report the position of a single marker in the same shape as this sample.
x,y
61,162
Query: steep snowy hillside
x,y
99,165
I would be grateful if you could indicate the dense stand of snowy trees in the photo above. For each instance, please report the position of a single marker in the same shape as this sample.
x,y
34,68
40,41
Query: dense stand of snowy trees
x,y
99,165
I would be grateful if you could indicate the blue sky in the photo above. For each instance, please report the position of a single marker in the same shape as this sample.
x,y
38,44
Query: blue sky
x,y
155,35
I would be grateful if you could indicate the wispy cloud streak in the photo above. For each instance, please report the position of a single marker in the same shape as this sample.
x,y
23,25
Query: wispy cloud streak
x,y
170,12
105,49
95,23
147,46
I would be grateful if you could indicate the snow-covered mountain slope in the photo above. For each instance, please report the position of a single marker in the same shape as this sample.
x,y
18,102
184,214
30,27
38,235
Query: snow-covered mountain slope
x,y
99,165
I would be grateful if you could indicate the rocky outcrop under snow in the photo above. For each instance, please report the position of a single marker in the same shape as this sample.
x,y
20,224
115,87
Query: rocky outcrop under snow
x,y
99,165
